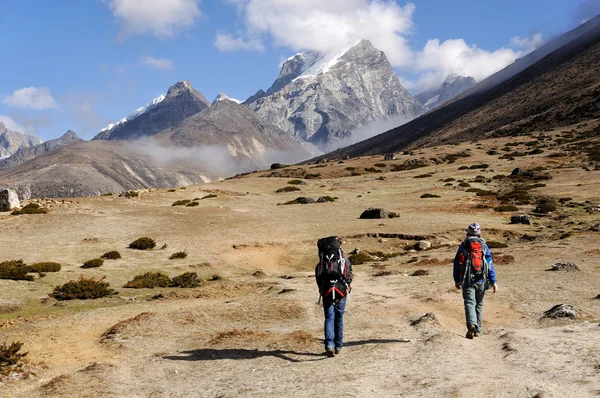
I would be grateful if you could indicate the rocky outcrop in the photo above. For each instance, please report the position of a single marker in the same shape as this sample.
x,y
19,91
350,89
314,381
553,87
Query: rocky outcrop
x,y
520,219
24,154
374,213
562,311
8,200
11,141
321,98
453,86
181,101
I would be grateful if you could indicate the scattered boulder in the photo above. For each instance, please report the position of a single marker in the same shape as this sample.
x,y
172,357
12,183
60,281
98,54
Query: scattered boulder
x,y
325,199
595,228
562,311
420,272
8,200
276,166
303,200
520,219
259,274
569,267
423,245
286,277
374,213
427,318
389,156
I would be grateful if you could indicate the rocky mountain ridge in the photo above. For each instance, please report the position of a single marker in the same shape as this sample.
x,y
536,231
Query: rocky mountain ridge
x,y
453,86
11,141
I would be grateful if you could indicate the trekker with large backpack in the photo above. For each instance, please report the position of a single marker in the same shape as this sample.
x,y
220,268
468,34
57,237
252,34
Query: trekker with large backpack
x,y
334,276
474,273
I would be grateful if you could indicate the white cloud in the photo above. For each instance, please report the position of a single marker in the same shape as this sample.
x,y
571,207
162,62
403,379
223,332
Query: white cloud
x,y
527,44
161,18
327,26
31,97
226,42
10,124
157,63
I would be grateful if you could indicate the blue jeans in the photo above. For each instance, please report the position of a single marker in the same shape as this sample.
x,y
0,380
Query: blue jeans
x,y
334,322
473,297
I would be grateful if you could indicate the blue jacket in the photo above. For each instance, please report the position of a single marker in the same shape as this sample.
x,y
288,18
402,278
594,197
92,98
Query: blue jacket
x,y
488,257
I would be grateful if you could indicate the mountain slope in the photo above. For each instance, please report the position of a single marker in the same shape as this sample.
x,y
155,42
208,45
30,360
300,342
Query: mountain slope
x,y
561,89
239,129
321,98
453,86
24,154
181,101
93,168
11,141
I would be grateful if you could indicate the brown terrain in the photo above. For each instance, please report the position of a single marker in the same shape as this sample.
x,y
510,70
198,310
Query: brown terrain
x,y
249,333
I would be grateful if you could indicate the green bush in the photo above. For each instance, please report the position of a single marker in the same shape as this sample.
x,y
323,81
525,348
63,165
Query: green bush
x,y
143,243
44,267
178,255
360,258
209,196
492,244
288,189
112,255
15,270
192,204
83,289
93,263
149,280
506,208
181,202
9,354
188,279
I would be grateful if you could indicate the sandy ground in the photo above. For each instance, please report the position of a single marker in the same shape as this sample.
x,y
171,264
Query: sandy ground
x,y
246,335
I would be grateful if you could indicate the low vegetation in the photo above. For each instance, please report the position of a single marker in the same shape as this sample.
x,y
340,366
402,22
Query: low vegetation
x,y
181,202
143,243
492,244
429,195
31,208
192,204
130,194
14,270
186,280
545,206
93,263
506,208
44,267
111,255
149,280
10,355
296,182
288,189
83,289
178,255
209,196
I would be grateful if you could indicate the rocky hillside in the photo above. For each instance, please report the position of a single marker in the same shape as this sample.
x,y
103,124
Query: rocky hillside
x,y
11,141
561,89
181,101
453,86
23,154
320,98
94,168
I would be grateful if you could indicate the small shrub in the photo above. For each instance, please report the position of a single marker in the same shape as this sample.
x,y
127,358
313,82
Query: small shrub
x,y
209,196
423,176
464,184
372,170
44,267
492,244
130,194
143,243
393,214
93,263
463,168
172,190
506,208
149,280
288,189
296,182
360,258
479,166
312,176
483,192
178,255
450,179
545,206
350,168
188,279
564,200
181,202
9,354
192,204
429,195
216,277
32,208
516,196
14,270
112,255
83,289
380,165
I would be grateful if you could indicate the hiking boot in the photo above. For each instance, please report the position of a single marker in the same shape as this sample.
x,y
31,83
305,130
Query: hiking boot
x,y
471,331
337,350
330,352
477,333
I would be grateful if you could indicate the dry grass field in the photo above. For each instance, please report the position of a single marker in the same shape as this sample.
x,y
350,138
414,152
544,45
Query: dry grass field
x,y
249,333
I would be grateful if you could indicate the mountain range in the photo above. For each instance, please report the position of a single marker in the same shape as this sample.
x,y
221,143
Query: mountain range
x,y
11,141
453,86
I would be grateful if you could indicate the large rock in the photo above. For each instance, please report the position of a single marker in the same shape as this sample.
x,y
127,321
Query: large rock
x,y
373,213
423,245
8,200
562,311
569,267
520,219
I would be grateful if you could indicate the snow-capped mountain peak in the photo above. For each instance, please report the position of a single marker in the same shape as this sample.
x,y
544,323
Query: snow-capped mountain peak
x,y
136,113
224,97
317,63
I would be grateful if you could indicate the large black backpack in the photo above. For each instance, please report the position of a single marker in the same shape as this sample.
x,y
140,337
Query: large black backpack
x,y
332,265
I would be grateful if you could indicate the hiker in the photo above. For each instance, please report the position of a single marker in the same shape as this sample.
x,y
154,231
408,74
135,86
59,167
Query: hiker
x,y
474,273
334,276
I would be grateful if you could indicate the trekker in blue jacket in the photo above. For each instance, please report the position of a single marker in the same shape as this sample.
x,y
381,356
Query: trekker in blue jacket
x,y
474,273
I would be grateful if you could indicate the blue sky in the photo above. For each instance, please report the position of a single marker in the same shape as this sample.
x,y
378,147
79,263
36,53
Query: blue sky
x,y
81,64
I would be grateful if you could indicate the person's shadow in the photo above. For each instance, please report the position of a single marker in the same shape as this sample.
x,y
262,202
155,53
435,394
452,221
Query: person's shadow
x,y
214,354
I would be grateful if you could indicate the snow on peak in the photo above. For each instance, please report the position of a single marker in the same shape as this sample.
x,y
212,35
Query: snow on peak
x,y
224,97
452,77
136,113
316,63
